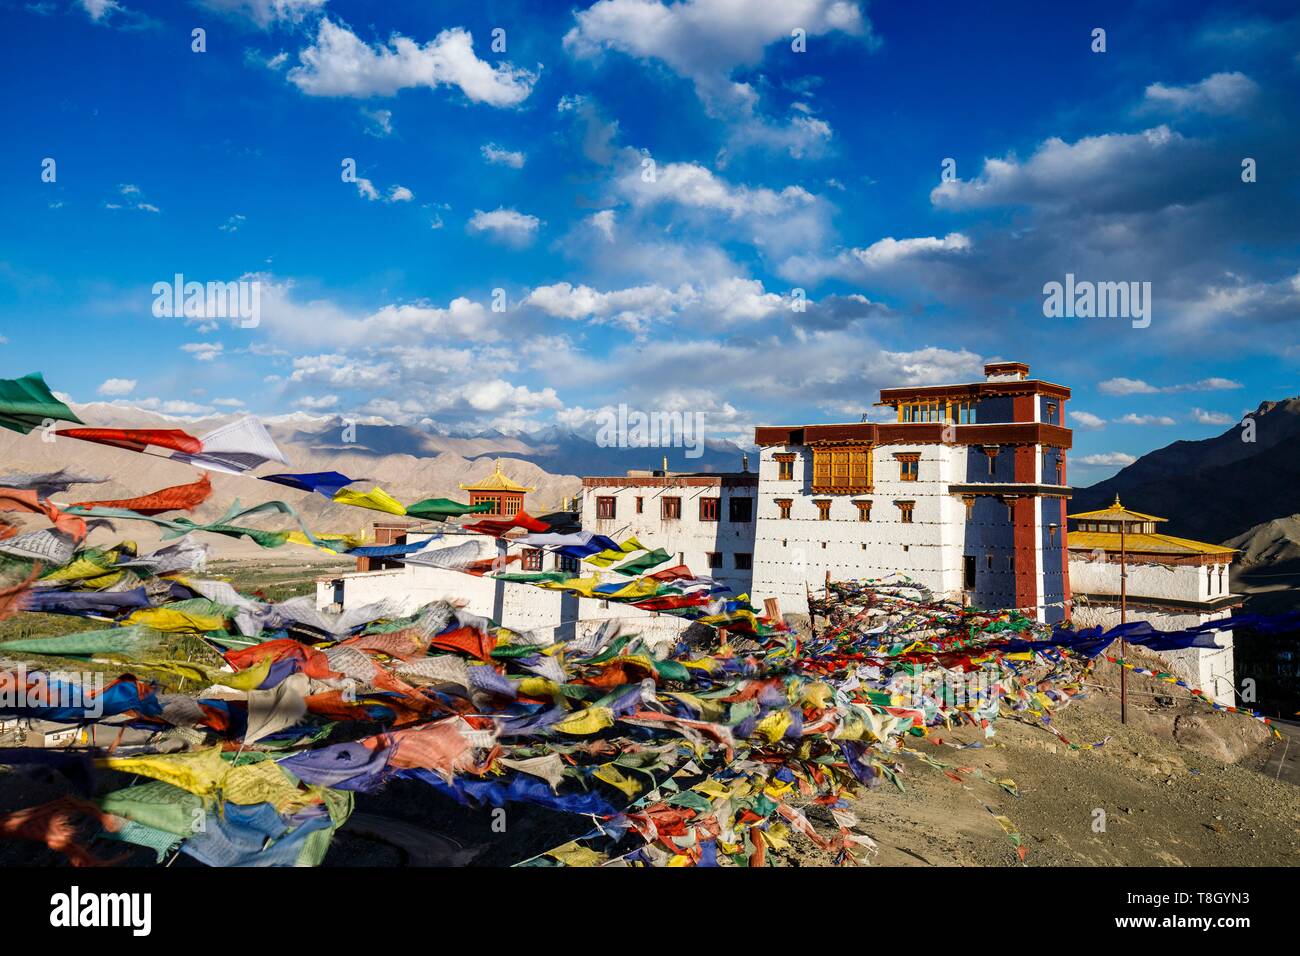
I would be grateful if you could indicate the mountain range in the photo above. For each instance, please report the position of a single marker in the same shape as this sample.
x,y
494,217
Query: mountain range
x,y
1240,488
410,462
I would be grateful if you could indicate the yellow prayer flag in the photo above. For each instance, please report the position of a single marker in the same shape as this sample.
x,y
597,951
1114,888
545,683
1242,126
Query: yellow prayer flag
x,y
589,721
376,499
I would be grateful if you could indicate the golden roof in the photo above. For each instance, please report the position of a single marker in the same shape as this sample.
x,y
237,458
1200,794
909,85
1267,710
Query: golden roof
x,y
1142,543
496,482
1116,512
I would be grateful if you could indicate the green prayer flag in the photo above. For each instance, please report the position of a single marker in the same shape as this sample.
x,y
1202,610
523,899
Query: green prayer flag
x,y
440,509
644,563
27,403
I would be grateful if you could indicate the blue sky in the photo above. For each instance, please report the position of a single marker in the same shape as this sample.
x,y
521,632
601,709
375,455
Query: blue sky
x,y
527,170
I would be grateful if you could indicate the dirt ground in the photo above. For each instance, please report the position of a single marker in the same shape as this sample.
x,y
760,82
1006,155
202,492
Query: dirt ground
x,y
1179,785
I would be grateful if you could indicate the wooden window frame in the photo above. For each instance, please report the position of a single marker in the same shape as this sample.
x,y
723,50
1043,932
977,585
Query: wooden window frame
x,y
640,504
531,559
734,505
665,507
905,459
784,505
747,564
842,469
823,508
784,466
864,510
710,508
713,559
606,503
906,511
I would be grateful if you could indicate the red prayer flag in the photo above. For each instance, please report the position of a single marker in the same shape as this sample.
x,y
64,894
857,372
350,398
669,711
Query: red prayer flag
x,y
13,500
137,439
497,528
175,498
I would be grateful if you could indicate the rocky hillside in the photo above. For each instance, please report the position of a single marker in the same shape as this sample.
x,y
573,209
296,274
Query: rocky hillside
x,y
1221,489
408,465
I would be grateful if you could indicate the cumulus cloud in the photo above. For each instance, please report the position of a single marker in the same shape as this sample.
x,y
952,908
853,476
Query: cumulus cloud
x,y
1135,419
339,63
732,300
692,185
497,156
1136,386
111,13
1202,417
1113,170
203,351
1085,421
708,41
1219,94
888,251
508,226
316,403
777,220
603,222
881,257
266,13
1109,459
117,386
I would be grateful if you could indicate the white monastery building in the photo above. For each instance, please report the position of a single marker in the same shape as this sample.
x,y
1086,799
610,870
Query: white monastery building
x,y
965,492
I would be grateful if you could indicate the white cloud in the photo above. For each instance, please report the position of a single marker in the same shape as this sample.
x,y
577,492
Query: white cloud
x,y
1092,171
1126,386
381,122
692,185
729,300
1107,459
498,395
1135,419
203,351
229,402
505,225
878,258
603,222
339,63
366,189
1219,93
498,156
265,13
888,251
233,223
1085,421
706,40
400,194
312,403
1135,386
779,221
117,386
1202,417
290,317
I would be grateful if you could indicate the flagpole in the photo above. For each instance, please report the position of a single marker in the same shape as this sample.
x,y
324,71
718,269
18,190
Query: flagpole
x,y
1123,618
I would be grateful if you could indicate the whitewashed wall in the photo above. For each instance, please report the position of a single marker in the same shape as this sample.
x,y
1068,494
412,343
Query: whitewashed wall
x,y
687,538
1212,671
790,553
1181,582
